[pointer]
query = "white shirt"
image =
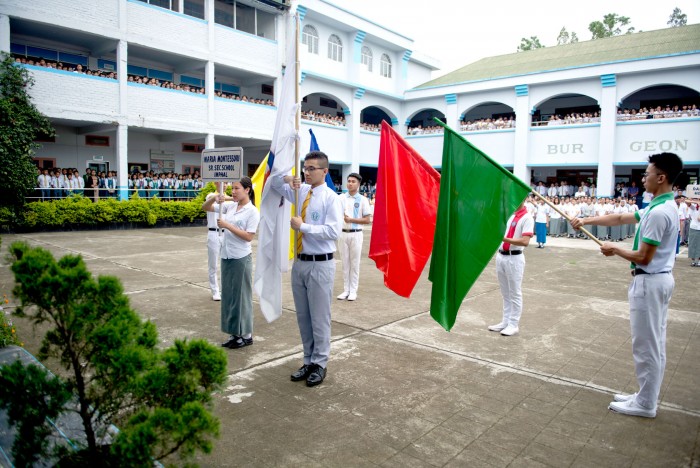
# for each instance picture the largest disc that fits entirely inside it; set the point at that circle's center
(523, 227)
(247, 218)
(44, 181)
(212, 216)
(542, 213)
(693, 214)
(659, 226)
(354, 206)
(324, 215)
(646, 197)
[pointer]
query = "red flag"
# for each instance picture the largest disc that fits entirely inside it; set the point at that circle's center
(405, 210)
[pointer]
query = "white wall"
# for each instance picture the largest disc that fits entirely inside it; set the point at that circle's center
(68, 95)
(634, 143)
(161, 108)
(562, 146)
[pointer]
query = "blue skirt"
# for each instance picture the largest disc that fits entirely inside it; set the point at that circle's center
(541, 232)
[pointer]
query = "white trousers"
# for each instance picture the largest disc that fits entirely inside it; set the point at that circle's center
(649, 296)
(214, 252)
(350, 252)
(510, 270)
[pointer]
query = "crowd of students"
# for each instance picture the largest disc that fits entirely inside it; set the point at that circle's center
(40, 62)
(487, 124)
(568, 119)
(328, 119)
(56, 183)
(420, 130)
(658, 112)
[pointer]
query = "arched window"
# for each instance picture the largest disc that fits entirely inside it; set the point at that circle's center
(335, 48)
(309, 37)
(385, 66)
(367, 57)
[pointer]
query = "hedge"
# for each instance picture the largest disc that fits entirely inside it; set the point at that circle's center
(77, 211)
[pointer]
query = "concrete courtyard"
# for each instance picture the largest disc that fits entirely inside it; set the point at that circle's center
(401, 391)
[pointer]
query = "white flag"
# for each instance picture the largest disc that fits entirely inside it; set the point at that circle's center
(273, 230)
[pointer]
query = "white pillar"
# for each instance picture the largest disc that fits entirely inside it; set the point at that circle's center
(122, 126)
(209, 141)
(452, 112)
(608, 123)
(209, 88)
(522, 132)
(4, 33)
(353, 122)
(122, 161)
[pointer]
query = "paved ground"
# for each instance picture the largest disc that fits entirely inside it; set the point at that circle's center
(403, 392)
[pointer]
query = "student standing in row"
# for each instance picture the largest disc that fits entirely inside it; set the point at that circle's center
(356, 213)
(510, 268)
(652, 259)
(239, 220)
(318, 228)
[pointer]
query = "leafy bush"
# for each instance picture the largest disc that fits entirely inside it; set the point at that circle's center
(160, 399)
(77, 211)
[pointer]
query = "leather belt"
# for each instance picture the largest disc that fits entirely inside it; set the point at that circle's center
(639, 271)
(315, 258)
(510, 252)
(352, 230)
(215, 229)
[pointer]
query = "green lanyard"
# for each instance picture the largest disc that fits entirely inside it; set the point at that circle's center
(661, 199)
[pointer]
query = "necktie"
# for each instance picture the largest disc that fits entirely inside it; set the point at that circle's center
(304, 206)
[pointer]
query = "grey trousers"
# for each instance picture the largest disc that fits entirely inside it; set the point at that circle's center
(649, 296)
(312, 287)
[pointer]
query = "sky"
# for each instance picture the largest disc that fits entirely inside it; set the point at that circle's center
(459, 32)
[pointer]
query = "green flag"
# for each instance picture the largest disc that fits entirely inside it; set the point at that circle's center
(477, 196)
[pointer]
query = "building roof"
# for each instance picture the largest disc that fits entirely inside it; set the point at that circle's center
(643, 45)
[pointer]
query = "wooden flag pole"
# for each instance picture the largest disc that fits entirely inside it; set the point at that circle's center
(220, 187)
(583, 230)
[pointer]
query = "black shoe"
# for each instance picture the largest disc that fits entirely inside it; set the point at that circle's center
(302, 373)
(316, 376)
(237, 342)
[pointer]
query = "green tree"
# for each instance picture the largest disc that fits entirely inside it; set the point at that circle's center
(160, 399)
(20, 123)
(565, 37)
(529, 44)
(677, 18)
(611, 25)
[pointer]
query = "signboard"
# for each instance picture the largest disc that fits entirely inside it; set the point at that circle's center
(222, 164)
(693, 191)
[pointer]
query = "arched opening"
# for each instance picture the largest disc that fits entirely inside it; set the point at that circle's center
(371, 118)
(323, 108)
(660, 102)
(488, 116)
(566, 109)
(422, 122)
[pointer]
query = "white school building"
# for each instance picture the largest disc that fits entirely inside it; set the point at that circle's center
(572, 112)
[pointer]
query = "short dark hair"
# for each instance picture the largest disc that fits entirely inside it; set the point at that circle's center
(318, 156)
(668, 163)
(356, 176)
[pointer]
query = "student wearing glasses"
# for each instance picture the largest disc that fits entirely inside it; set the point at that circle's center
(317, 227)
(652, 258)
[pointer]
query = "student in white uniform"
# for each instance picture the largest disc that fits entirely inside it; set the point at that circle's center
(356, 213)
(652, 259)
(541, 223)
(510, 267)
(318, 228)
(239, 220)
(214, 238)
